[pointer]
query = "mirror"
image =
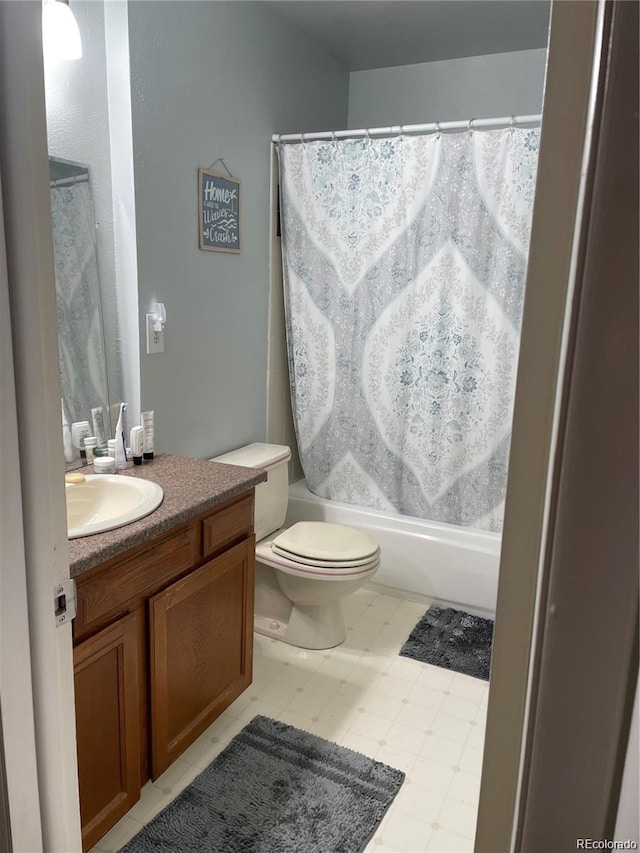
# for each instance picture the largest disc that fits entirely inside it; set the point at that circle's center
(93, 329)
(83, 368)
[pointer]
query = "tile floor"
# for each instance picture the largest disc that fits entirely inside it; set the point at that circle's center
(424, 720)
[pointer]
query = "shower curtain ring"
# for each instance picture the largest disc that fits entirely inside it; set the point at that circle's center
(438, 130)
(470, 128)
(512, 123)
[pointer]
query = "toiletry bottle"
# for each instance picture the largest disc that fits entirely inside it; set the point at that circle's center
(121, 447)
(137, 444)
(99, 429)
(146, 419)
(79, 431)
(90, 444)
(66, 436)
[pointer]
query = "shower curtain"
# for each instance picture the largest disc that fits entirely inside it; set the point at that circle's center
(80, 337)
(404, 270)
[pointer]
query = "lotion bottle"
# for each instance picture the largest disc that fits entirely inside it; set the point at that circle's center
(66, 436)
(137, 443)
(147, 425)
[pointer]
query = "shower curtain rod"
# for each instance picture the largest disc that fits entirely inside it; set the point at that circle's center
(400, 129)
(72, 179)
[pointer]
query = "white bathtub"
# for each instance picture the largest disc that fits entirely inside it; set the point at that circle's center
(456, 566)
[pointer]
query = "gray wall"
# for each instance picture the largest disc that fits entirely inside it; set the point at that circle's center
(78, 129)
(473, 87)
(213, 80)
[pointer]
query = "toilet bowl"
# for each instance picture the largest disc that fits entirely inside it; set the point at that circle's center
(304, 571)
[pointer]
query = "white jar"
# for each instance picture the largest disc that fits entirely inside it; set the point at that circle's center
(104, 465)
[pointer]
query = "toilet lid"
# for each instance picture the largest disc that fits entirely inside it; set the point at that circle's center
(298, 570)
(319, 540)
(267, 556)
(325, 564)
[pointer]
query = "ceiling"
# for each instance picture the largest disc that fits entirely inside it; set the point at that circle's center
(364, 34)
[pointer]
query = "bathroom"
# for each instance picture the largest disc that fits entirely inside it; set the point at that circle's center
(259, 74)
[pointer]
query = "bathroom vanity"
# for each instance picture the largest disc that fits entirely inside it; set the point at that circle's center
(163, 636)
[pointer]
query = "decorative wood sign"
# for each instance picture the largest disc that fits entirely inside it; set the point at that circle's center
(219, 212)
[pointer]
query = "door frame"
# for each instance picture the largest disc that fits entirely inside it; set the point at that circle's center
(20, 802)
(37, 486)
(585, 659)
(540, 707)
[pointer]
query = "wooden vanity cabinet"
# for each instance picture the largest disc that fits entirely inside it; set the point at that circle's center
(163, 643)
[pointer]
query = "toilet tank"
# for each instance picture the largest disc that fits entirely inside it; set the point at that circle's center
(271, 496)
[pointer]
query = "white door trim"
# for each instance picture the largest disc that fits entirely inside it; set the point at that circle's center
(16, 697)
(33, 321)
(573, 63)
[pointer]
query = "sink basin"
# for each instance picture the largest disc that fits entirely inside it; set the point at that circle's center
(106, 501)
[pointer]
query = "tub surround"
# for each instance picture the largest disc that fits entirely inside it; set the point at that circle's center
(191, 487)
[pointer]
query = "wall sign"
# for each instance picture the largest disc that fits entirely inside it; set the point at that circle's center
(219, 212)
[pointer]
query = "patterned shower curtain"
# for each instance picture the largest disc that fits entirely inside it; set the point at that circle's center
(81, 347)
(404, 270)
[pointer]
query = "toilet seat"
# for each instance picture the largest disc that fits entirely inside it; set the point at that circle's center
(328, 544)
(323, 564)
(292, 567)
(354, 566)
(335, 573)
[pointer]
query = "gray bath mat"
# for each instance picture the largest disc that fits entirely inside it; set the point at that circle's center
(275, 789)
(452, 639)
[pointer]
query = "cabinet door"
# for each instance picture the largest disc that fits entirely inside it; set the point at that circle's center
(201, 650)
(106, 680)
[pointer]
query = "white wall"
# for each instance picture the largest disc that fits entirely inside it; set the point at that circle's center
(472, 87)
(78, 129)
(214, 80)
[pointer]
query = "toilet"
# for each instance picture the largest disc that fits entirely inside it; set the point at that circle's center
(304, 571)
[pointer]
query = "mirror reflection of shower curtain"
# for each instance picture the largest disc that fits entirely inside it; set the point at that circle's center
(80, 336)
(404, 269)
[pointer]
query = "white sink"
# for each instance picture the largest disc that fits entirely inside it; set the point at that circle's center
(106, 501)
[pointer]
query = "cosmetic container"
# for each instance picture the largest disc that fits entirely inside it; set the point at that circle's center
(104, 465)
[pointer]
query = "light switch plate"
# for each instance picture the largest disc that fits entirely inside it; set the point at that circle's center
(155, 340)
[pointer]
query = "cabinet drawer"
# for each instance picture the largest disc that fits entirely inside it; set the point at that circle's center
(228, 525)
(129, 581)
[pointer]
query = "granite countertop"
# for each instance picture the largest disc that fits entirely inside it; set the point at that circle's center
(191, 486)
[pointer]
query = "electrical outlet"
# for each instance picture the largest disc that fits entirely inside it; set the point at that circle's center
(155, 340)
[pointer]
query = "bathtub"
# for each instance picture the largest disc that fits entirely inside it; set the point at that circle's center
(423, 560)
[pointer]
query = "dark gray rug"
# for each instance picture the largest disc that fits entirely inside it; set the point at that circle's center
(452, 639)
(276, 789)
